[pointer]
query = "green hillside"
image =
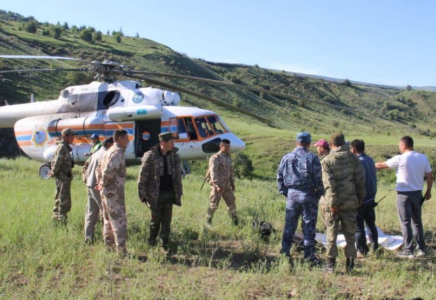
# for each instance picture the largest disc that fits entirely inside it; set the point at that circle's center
(385, 113)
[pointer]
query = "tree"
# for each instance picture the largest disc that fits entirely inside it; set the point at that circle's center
(86, 35)
(74, 29)
(65, 26)
(31, 26)
(408, 87)
(137, 35)
(347, 82)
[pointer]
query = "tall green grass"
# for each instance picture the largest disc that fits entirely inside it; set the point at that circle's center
(38, 260)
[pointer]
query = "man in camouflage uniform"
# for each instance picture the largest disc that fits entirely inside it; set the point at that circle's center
(61, 169)
(160, 186)
(221, 179)
(111, 176)
(299, 180)
(93, 208)
(344, 181)
(323, 149)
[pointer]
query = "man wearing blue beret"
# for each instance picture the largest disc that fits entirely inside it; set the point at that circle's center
(299, 179)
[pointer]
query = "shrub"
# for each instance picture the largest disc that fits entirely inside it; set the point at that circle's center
(243, 166)
(98, 36)
(347, 82)
(237, 103)
(118, 38)
(55, 32)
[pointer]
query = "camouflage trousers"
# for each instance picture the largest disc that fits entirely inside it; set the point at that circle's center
(114, 222)
(161, 216)
(309, 213)
(348, 227)
(214, 201)
(92, 212)
(62, 200)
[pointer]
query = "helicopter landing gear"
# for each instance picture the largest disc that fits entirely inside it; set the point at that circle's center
(44, 171)
(185, 168)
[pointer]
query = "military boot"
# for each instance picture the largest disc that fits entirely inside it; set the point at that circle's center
(330, 265)
(349, 265)
(235, 221)
(209, 217)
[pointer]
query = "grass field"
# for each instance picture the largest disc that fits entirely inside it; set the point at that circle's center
(40, 261)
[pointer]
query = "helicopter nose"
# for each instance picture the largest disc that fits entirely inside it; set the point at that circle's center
(236, 144)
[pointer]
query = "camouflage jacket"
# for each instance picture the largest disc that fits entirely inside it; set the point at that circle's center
(322, 199)
(111, 172)
(62, 163)
(152, 169)
(344, 179)
(220, 173)
(299, 176)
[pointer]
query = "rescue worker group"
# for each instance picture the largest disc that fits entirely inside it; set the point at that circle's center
(341, 181)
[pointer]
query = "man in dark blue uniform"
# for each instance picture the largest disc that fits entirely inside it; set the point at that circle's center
(299, 179)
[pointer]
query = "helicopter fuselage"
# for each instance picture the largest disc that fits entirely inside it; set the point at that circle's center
(101, 108)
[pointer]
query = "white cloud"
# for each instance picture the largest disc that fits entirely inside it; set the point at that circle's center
(297, 68)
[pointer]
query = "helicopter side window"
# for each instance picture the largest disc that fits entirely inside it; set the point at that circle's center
(190, 128)
(203, 128)
(111, 98)
(183, 133)
(215, 124)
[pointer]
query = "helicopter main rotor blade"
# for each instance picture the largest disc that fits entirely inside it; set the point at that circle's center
(44, 70)
(211, 99)
(41, 57)
(244, 87)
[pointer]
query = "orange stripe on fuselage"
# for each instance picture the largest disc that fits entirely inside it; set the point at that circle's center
(25, 143)
(24, 132)
(118, 126)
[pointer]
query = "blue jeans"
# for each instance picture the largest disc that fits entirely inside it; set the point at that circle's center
(309, 213)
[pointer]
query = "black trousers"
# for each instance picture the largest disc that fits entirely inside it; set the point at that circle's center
(366, 214)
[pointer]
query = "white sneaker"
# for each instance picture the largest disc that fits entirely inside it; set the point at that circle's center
(419, 253)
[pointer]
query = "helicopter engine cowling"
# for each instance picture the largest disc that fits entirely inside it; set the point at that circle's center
(137, 112)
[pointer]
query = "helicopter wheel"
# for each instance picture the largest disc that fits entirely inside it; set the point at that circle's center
(44, 171)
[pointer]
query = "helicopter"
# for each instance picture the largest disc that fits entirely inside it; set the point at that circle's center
(108, 104)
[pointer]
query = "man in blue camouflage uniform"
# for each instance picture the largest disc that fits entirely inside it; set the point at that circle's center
(299, 180)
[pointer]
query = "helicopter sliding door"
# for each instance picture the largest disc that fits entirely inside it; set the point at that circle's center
(146, 135)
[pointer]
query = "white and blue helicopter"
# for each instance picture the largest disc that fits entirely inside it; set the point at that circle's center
(108, 104)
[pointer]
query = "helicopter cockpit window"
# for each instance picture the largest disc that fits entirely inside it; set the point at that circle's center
(215, 124)
(111, 98)
(203, 128)
(190, 128)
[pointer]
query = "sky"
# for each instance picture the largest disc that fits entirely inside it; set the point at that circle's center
(390, 42)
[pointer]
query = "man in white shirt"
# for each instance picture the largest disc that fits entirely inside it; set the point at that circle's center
(411, 167)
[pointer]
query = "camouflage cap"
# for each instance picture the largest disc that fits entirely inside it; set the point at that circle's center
(165, 137)
(68, 131)
(304, 137)
(337, 138)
